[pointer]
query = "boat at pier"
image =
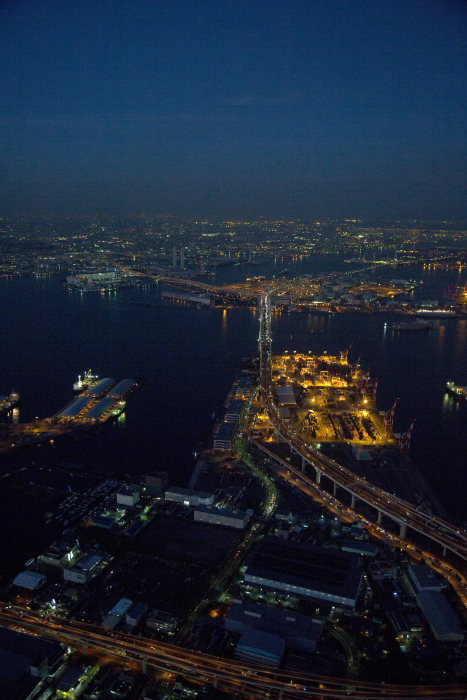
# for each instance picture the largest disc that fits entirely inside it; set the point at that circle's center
(85, 381)
(457, 392)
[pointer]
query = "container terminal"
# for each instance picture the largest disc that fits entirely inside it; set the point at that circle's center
(330, 403)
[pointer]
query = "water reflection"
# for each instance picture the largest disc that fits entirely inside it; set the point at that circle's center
(461, 333)
(316, 324)
(441, 338)
(450, 405)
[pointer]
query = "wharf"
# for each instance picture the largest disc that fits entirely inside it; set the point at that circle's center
(98, 404)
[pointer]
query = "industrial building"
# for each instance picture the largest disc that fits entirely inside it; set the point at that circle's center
(365, 549)
(86, 568)
(440, 616)
(60, 554)
(100, 409)
(299, 632)
(101, 388)
(286, 396)
(110, 622)
(134, 616)
(233, 411)
(261, 648)
(422, 578)
(304, 571)
(74, 408)
(162, 621)
(122, 607)
(128, 495)
(116, 614)
(30, 580)
(222, 516)
(122, 388)
(189, 497)
(243, 388)
(224, 437)
(23, 659)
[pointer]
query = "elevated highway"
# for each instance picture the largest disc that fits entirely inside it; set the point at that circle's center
(404, 514)
(247, 680)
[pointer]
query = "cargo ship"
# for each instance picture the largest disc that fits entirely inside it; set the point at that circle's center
(85, 381)
(416, 325)
(457, 392)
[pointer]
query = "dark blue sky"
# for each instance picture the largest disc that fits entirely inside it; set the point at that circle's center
(235, 108)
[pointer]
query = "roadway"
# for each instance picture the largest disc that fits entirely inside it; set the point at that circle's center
(448, 536)
(245, 679)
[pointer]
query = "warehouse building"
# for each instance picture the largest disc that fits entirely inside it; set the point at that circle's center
(224, 437)
(24, 659)
(189, 497)
(440, 616)
(233, 411)
(128, 495)
(134, 616)
(243, 388)
(222, 516)
(122, 607)
(285, 395)
(86, 568)
(365, 549)
(304, 571)
(121, 389)
(162, 621)
(60, 554)
(101, 388)
(100, 409)
(299, 632)
(422, 578)
(30, 580)
(261, 648)
(74, 408)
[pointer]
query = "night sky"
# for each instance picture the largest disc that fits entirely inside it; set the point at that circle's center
(240, 108)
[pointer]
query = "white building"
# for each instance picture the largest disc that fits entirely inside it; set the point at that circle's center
(221, 516)
(30, 580)
(87, 568)
(128, 495)
(189, 497)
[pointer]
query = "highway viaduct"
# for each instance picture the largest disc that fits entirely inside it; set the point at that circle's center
(247, 680)
(404, 514)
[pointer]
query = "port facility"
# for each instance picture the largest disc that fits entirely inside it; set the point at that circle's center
(98, 403)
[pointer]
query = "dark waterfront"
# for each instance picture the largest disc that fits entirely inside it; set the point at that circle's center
(188, 359)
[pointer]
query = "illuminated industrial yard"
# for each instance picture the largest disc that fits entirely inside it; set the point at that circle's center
(325, 399)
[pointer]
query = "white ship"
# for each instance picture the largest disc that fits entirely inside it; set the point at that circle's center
(85, 381)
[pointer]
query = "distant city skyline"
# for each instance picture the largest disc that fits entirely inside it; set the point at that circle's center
(288, 110)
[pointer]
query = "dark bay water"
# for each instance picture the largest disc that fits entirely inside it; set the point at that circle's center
(188, 360)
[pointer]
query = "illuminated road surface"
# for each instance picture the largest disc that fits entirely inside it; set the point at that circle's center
(245, 679)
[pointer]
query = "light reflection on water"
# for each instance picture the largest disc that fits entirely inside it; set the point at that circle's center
(450, 405)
